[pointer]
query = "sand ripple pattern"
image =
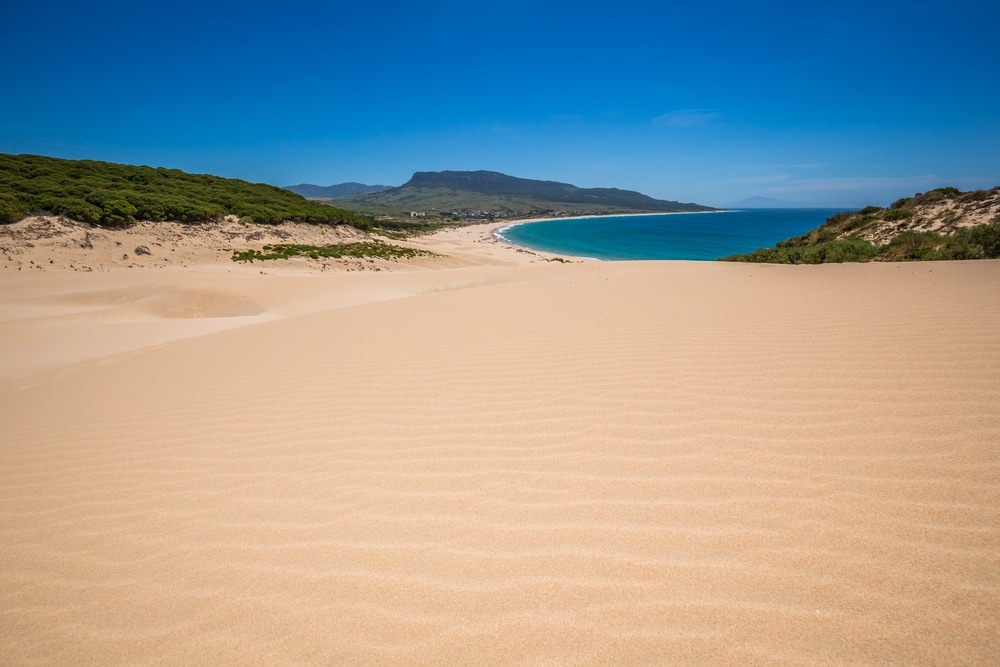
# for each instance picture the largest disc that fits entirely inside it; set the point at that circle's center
(594, 464)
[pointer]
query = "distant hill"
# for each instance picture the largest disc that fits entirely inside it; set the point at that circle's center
(117, 194)
(507, 195)
(941, 224)
(310, 191)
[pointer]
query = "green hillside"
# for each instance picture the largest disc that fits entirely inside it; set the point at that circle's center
(116, 194)
(941, 224)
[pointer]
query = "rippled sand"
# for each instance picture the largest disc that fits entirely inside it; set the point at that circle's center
(596, 463)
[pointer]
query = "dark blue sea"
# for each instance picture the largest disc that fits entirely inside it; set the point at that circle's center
(699, 236)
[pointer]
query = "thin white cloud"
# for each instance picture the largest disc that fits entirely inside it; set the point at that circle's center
(686, 118)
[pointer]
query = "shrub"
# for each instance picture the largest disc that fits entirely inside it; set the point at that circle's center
(895, 214)
(75, 208)
(358, 250)
(848, 250)
(986, 237)
(115, 207)
(910, 245)
(11, 209)
(860, 220)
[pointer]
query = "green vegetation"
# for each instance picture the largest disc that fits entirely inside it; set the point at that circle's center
(376, 249)
(894, 214)
(982, 242)
(114, 194)
(404, 228)
(853, 250)
(903, 232)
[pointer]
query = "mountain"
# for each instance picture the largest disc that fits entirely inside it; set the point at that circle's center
(945, 223)
(508, 195)
(310, 191)
(495, 183)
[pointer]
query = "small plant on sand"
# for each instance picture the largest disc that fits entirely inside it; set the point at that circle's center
(374, 249)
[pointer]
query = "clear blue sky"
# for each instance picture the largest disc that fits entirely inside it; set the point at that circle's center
(825, 102)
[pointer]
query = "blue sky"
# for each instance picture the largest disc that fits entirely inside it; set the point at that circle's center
(839, 103)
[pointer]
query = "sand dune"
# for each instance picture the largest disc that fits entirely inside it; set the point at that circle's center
(515, 462)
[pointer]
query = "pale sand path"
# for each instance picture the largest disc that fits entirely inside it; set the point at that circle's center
(592, 463)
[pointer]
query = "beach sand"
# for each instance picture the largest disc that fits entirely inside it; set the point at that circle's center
(493, 458)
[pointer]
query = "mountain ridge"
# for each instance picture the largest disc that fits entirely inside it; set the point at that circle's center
(310, 191)
(482, 189)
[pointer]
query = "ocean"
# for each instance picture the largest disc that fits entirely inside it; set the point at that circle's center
(693, 236)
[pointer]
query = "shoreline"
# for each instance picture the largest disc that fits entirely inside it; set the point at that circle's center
(669, 236)
(498, 232)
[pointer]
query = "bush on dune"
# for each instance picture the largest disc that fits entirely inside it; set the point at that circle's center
(838, 239)
(851, 250)
(117, 194)
(986, 237)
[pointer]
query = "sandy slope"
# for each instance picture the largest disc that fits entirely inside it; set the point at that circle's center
(48, 243)
(508, 461)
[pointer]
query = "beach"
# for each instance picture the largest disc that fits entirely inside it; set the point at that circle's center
(484, 456)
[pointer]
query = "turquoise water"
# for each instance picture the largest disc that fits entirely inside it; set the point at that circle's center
(700, 236)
